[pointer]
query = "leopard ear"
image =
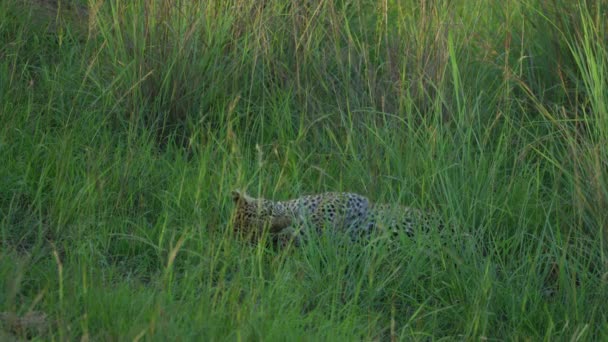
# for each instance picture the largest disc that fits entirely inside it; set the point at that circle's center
(236, 195)
(239, 195)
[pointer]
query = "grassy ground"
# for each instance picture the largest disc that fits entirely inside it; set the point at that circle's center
(126, 124)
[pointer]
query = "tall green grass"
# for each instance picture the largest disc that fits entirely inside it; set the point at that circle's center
(125, 124)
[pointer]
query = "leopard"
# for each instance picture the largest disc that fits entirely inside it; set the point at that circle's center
(347, 212)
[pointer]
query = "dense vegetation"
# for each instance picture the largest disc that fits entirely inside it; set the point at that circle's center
(125, 124)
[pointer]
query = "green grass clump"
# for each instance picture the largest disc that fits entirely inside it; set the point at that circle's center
(126, 124)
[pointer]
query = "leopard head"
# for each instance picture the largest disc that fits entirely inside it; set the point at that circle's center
(253, 215)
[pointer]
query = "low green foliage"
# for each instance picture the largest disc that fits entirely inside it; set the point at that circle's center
(126, 124)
